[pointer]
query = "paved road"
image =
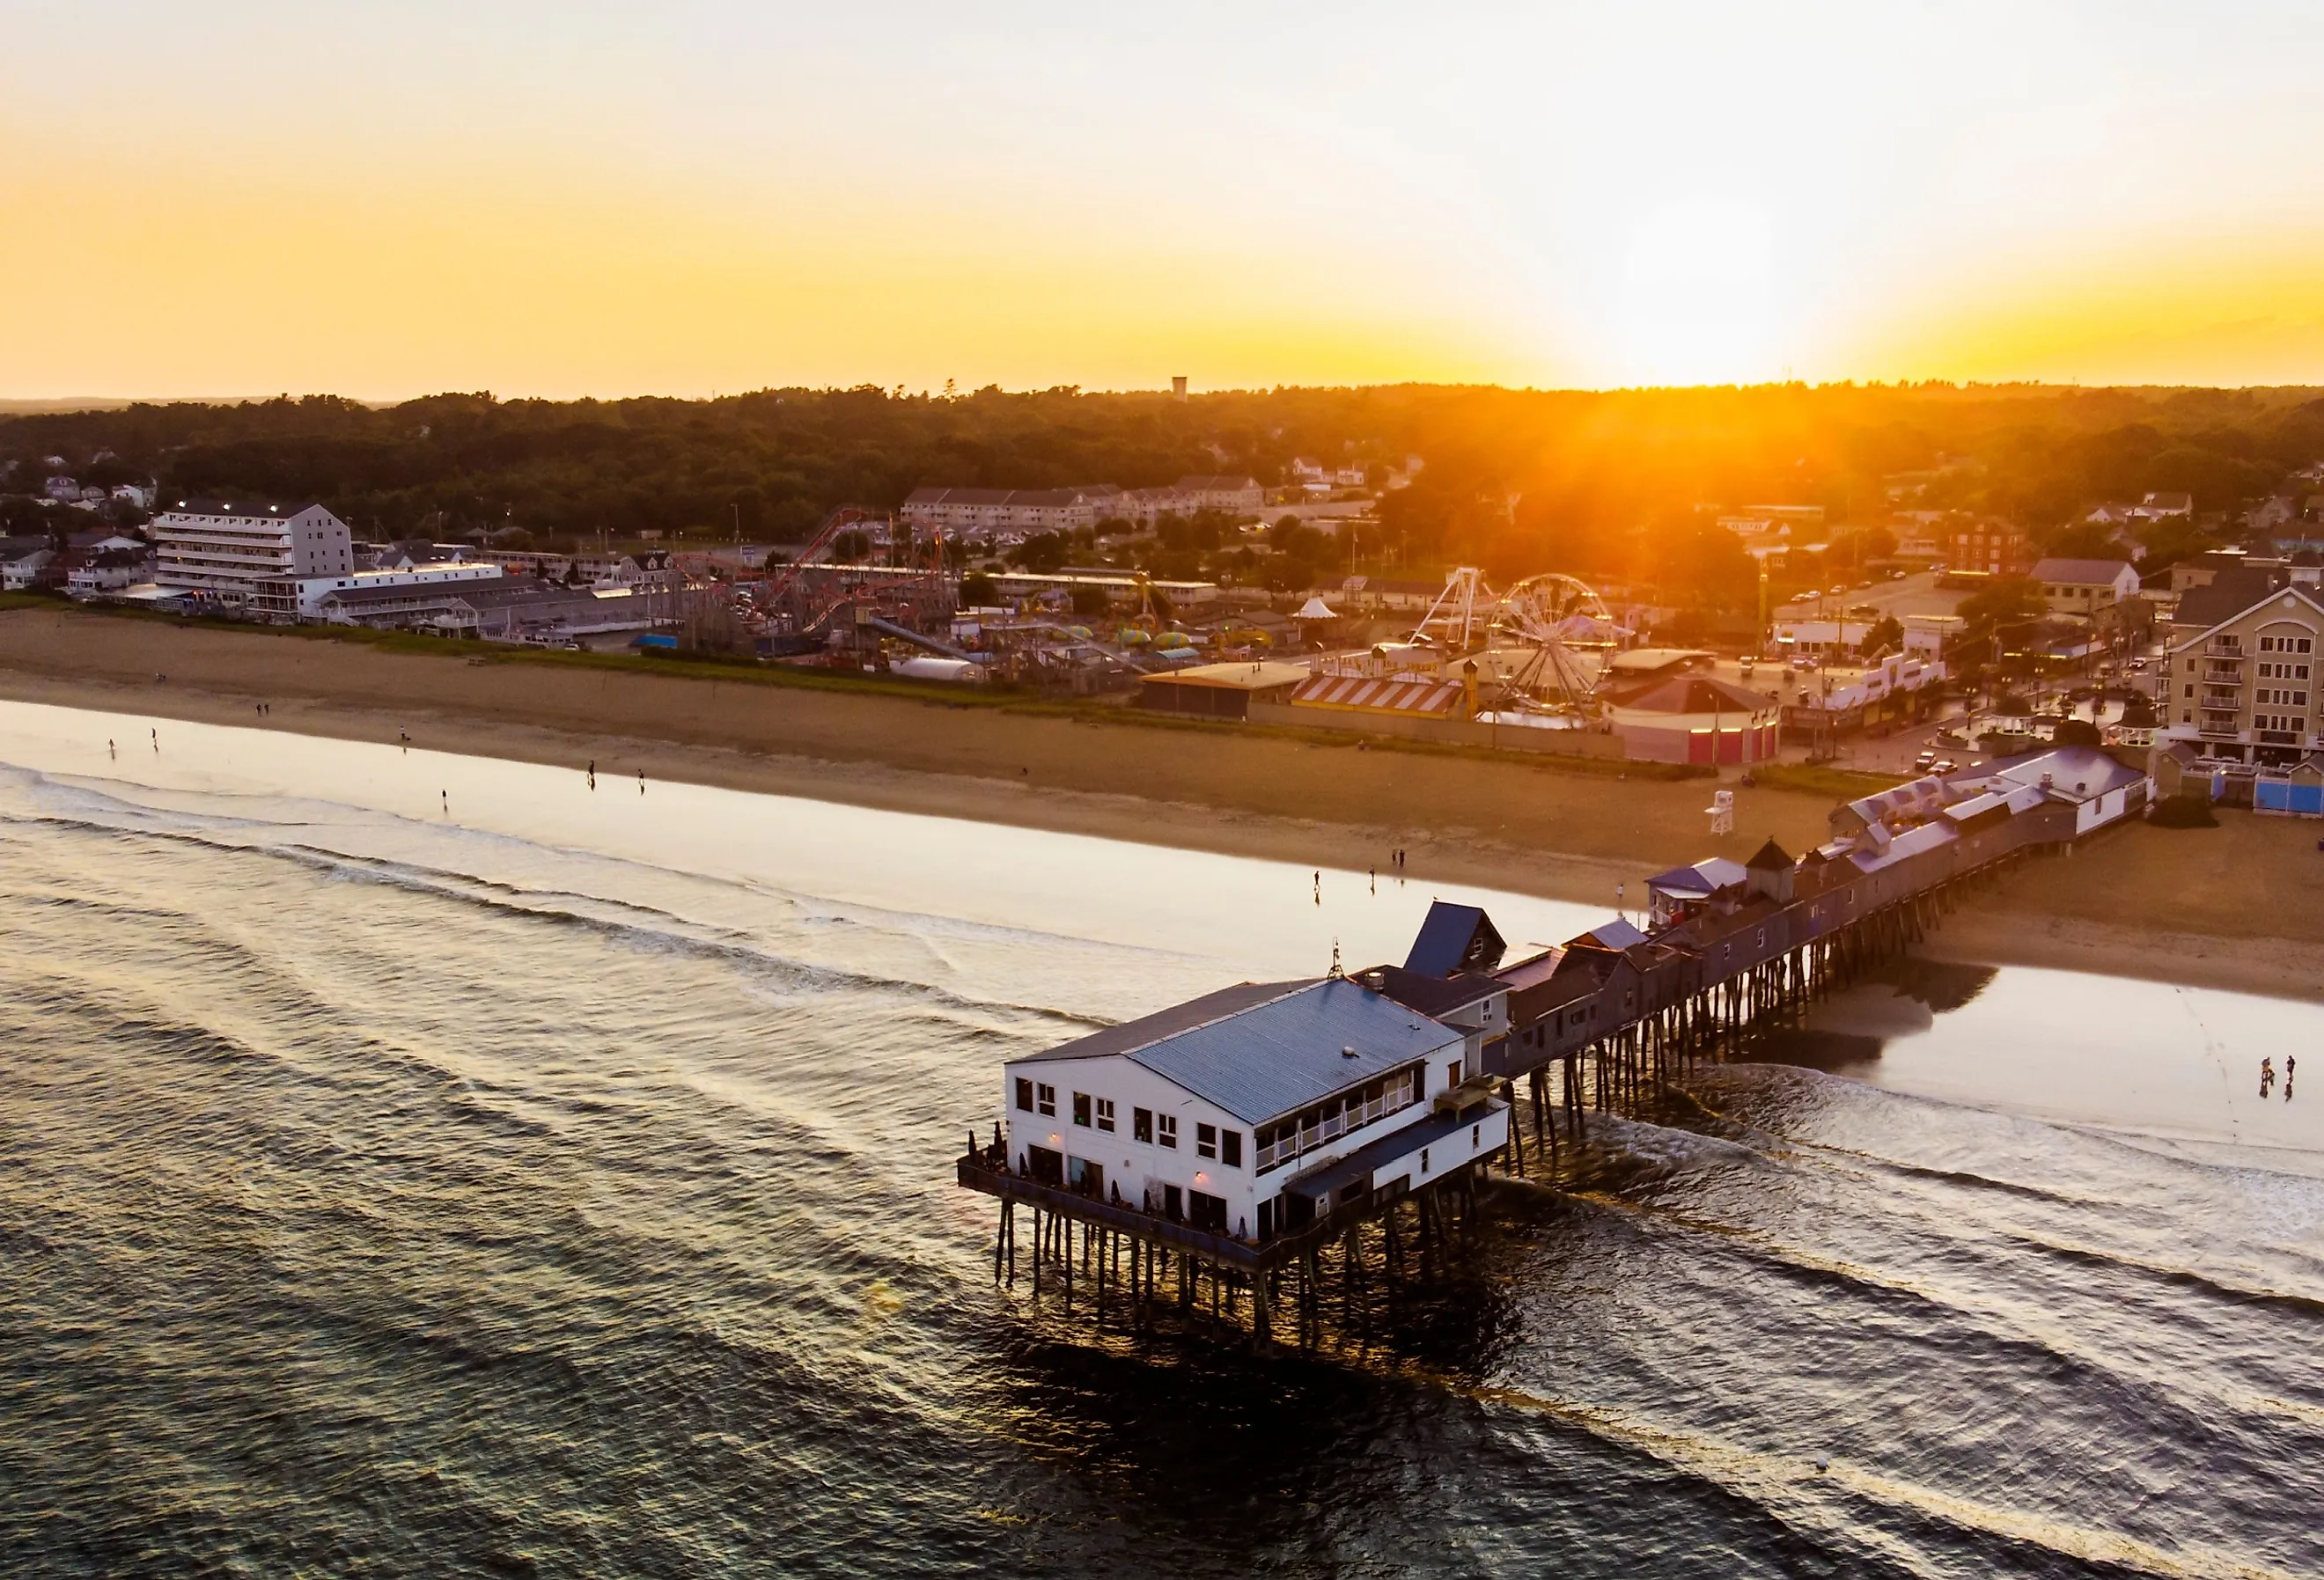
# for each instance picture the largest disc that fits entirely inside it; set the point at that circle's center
(1917, 594)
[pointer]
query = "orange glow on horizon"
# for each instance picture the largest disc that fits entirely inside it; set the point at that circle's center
(561, 201)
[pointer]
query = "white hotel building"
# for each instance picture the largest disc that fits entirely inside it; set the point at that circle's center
(225, 548)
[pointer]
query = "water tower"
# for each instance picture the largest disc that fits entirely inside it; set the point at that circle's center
(1178, 386)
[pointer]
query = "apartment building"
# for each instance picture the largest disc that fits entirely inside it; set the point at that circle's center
(2243, 690)
(961, 511)
(1996, 548)
(1236, 495)
(225, 548)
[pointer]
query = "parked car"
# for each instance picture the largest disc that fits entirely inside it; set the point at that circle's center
(1943, 765)
(1926, 760)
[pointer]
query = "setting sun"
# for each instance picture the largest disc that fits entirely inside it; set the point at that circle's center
(559, 199)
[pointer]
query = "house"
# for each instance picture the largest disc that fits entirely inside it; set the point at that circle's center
(1256, 1109)
(2084, 586)
(25, 568)
(2164, 506)
(2242, 689)
(110, 571)
(223, 549)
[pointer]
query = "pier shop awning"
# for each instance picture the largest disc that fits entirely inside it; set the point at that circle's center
(1422, 697)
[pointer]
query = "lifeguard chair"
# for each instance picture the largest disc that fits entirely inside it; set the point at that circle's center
(1723, 812)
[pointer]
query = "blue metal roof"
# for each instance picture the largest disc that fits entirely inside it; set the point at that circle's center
(1443, 946)
(1277, 1056)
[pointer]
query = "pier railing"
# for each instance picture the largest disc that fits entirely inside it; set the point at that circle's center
(1247, 1255)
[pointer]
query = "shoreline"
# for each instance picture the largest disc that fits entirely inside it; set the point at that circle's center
(2238, 901)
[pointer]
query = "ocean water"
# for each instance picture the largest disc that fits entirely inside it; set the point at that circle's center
(414, 1164)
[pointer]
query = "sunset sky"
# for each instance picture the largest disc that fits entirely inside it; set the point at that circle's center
(688, 198)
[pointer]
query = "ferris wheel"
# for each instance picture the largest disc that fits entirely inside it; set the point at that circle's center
(1554, 613)
(1554, 607)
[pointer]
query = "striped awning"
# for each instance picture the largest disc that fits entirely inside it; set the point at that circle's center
(1413, 697)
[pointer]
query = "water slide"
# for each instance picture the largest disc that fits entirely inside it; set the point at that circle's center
(904, 633)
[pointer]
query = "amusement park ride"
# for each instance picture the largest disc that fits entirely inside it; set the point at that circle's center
(1549, 635)
(805, 603)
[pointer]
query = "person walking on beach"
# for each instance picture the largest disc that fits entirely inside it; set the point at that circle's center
(2266, 1075)
(642, 781)
(157, 739)
(2290, 1064)
(112, 751)
(593, 773)
(448, 803)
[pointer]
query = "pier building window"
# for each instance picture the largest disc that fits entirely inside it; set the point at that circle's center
(1166, 1131)
(1105, 1114)
(1024, 1095)
(1452, 1075)
(1206, 1141)
(1082, 1109)
(1231, 1148)
(1142, 1125)
(1046, 1099)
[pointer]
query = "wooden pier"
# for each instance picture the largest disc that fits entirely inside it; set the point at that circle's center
(1606, 1024)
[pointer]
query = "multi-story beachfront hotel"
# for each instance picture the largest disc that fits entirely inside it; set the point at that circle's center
(226, 548)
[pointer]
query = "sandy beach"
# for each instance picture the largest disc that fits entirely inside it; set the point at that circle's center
(2232, 907)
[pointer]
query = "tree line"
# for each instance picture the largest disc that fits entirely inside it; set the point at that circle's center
(1614, 484)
